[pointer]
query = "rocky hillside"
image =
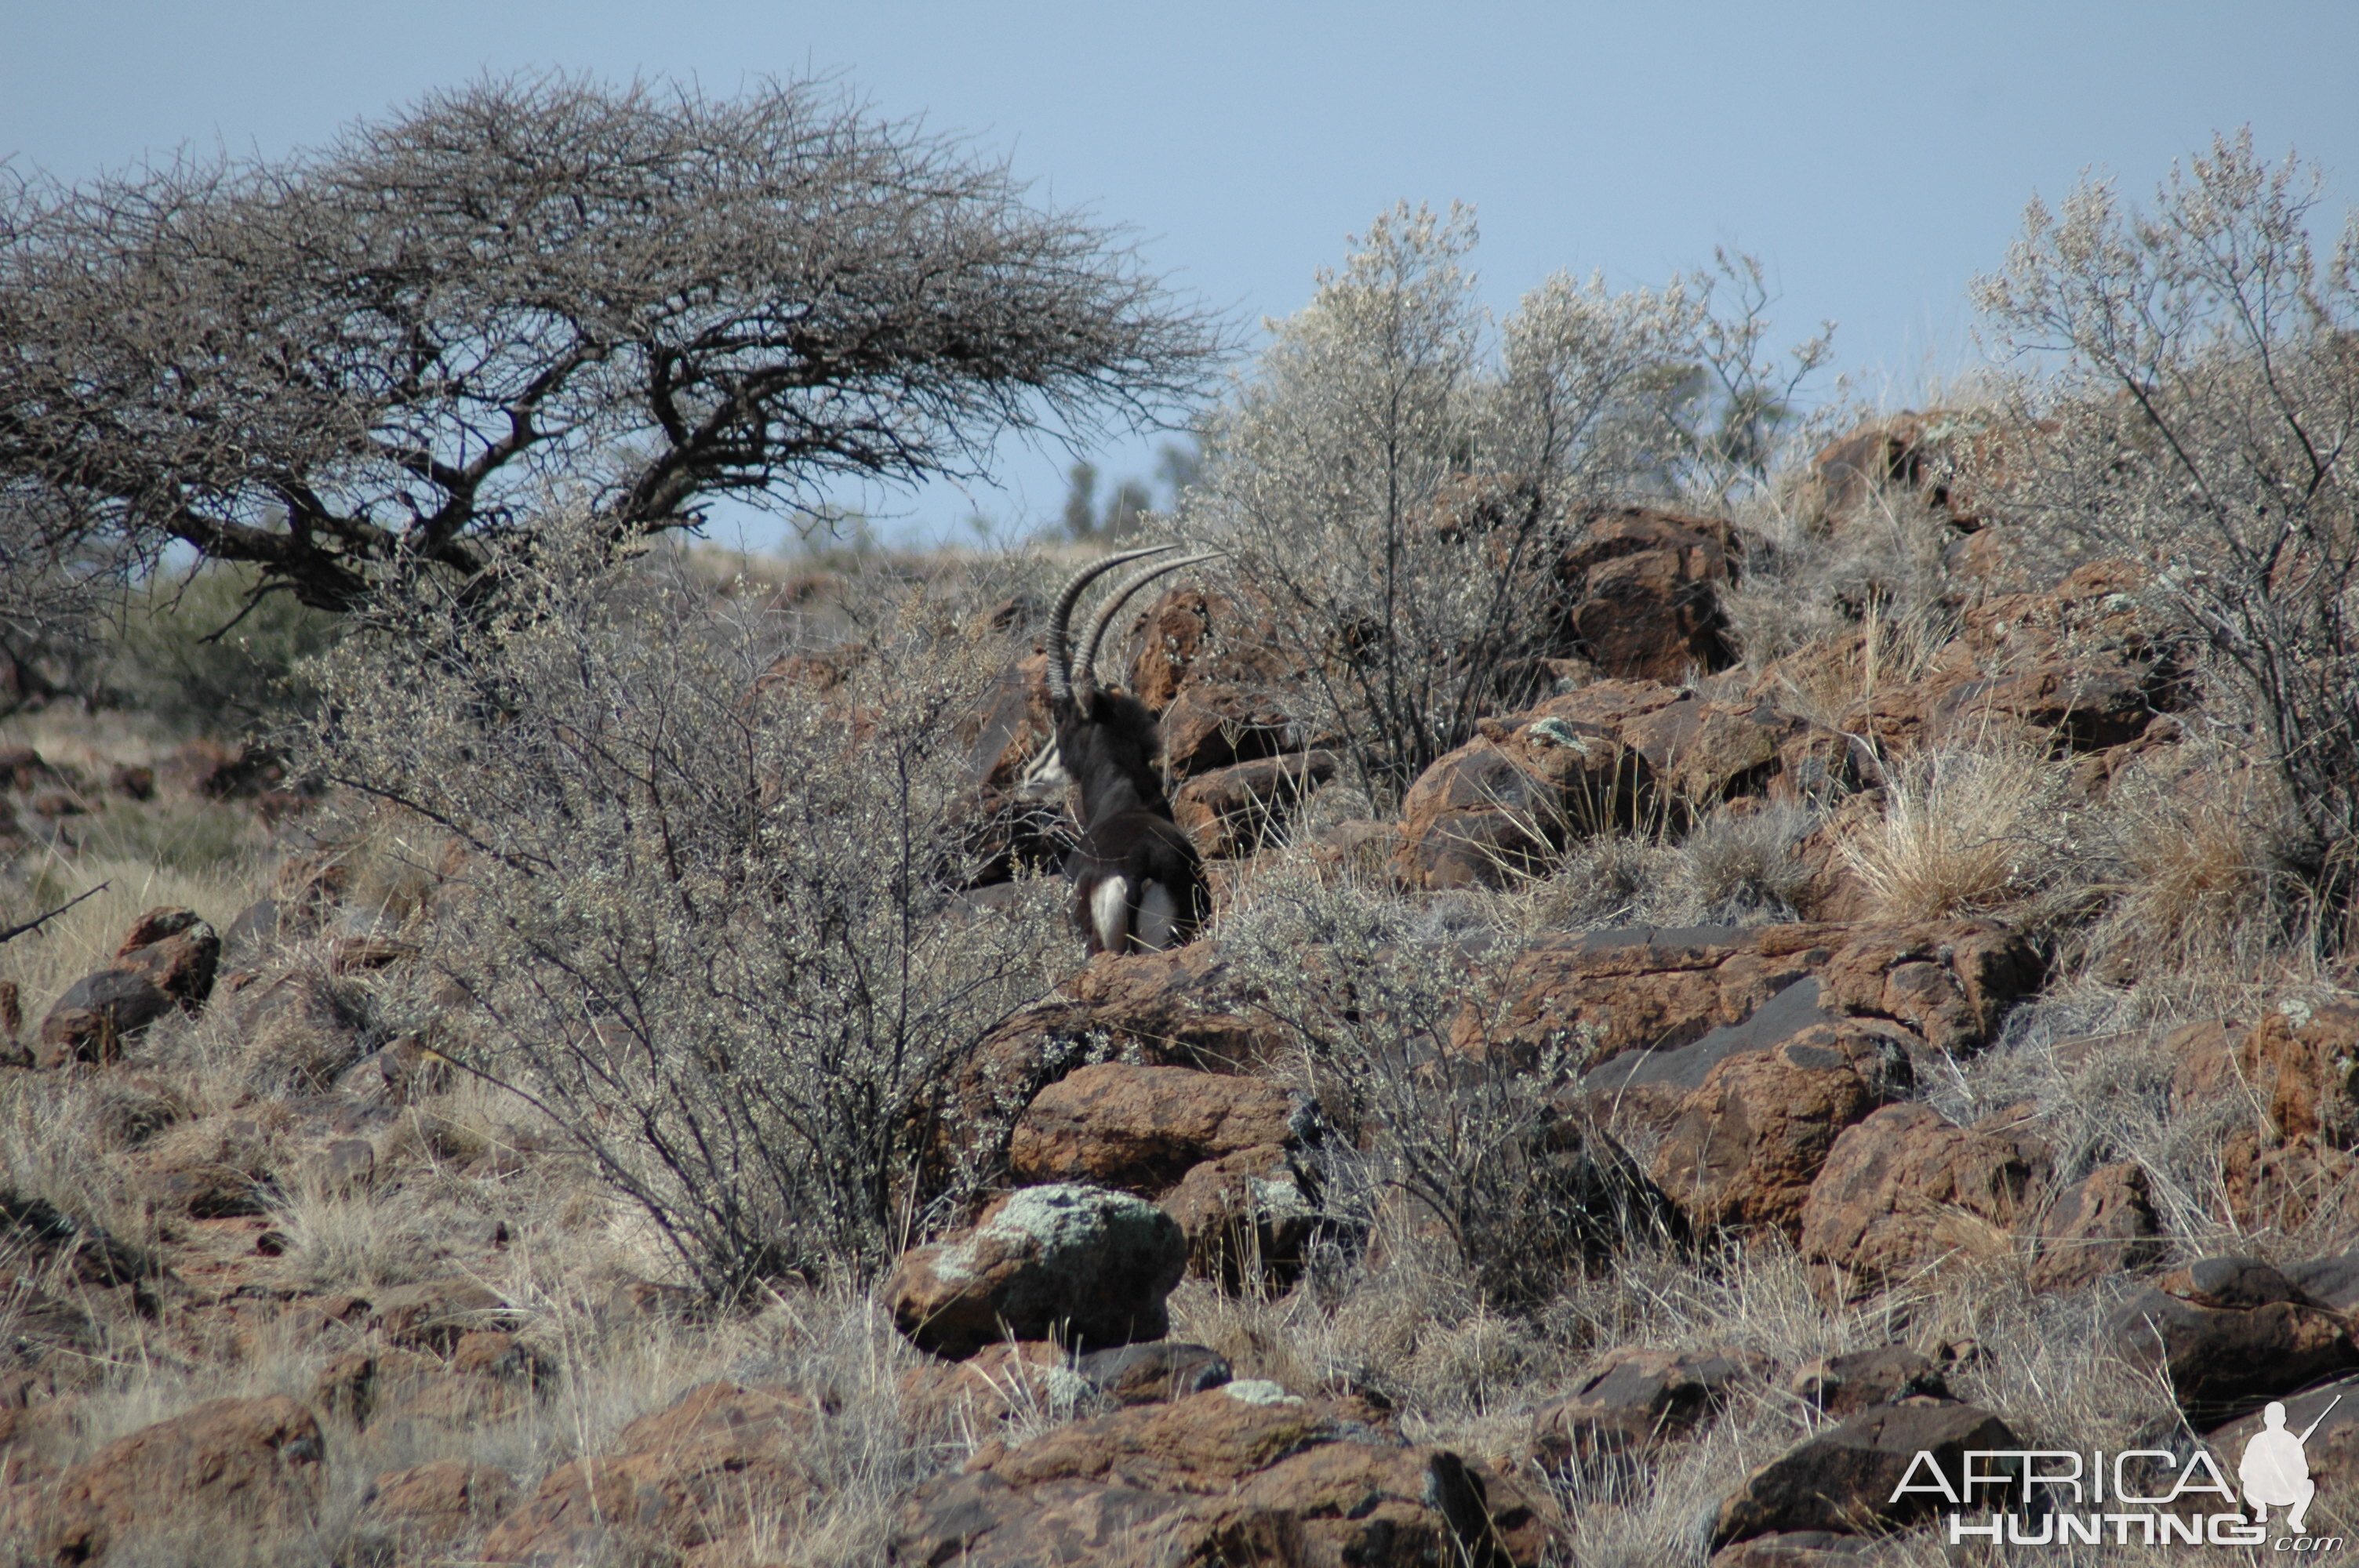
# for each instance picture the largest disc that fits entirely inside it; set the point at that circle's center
(1817, 1030)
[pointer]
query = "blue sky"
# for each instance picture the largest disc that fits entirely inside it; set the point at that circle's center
(1875, 156)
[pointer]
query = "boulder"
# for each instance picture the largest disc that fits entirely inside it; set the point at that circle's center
(2101, 1225)
(1501, 805)
(1153, 1373)
(1640, 584)
(1745, 1147)
(2230, 1334)
(1632, 1399)
(1211, 725)
(1856, 1380)
(1245, 1473)
(227, 1475)
(1928, 453)
(1949, 981)
(2332, 1449)
(703, 1471)
(436, 1315)
(1907, 1190)
(2289, 1084)
(1181, 1007)
(1140, 1128)
(1842, 1478)
(1079, 1264)
(1192, 637)
(425, 1511)
(167, 962)
(1648, 1088)
(1804, 1549)
(1248, 1217)
(1239, 809)
(1652, 988)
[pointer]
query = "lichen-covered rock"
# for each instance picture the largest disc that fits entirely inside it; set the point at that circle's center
(1248, 1217)
(1079, 1264)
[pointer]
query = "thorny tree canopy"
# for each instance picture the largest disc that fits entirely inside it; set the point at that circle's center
(379, 356)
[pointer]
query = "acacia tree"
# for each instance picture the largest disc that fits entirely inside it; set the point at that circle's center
(378, 357)
(2192, 400)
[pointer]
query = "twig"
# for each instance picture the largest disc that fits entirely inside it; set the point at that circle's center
(13, 932)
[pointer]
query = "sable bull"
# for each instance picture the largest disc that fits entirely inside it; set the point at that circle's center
(1138, 884)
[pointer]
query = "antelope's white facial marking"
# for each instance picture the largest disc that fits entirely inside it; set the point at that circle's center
(1044, 776)
(1158, 917)
(1110, 913)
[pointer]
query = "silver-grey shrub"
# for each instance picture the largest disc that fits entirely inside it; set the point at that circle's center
(1399, 476)
(701, 920)
(2190, 399)
(1437, 1133)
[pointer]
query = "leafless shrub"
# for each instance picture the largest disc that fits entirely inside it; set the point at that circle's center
(704, 926)
(2200, 418)
(1435, 1133)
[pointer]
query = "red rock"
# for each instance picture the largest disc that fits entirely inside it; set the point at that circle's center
(1244, 1473)
(1120, 1124)
(1907, 1191)
(1930, 453)
(173, 968)
(2288, 1160)
(1213, 724)
(2101, 1225)
(1745, 1146)
(1634, 1399)
(1247, 1217)
(1239, 809)
(1641, 585)
(1648, 989)
(1191, 637)
(1856, 1380)
(1845, 1478)
(227, 1472)
(428, 1509)
(701, 1471)
(2230, 1334)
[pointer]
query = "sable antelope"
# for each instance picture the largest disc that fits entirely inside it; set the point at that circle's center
(1137, 882)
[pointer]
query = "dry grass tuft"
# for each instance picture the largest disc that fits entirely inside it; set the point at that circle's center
(1972, 831)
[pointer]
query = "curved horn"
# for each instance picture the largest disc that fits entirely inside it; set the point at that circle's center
(1061, 640)
(1085, 665)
